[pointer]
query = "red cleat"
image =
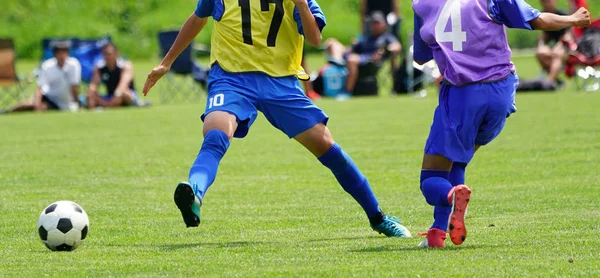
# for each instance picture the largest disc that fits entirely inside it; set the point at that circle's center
(434, 238)
(459, 198)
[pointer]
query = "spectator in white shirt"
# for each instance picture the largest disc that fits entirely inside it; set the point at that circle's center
(58, 83)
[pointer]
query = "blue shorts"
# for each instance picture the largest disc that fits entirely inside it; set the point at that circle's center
(280, 99)
(470, 115)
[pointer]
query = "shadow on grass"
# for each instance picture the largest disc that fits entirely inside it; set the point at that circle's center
(168, 247)
(343, 238)
(417, 248)
(233, 244)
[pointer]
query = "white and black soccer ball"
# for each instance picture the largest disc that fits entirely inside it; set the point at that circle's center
(63, 226)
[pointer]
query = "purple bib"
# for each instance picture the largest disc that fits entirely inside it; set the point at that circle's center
(467, 45)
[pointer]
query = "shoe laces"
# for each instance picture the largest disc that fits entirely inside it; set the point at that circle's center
(392, 222)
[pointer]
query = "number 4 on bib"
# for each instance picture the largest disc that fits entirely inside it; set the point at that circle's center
(451, 12)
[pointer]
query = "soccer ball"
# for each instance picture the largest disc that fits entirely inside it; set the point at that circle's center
(63, 226)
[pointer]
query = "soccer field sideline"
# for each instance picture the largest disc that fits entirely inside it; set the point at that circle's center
(275, 212)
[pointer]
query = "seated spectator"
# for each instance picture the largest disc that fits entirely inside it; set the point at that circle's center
(57, 84)
(553, 47)
(372, 50)
(116, 74)
(389, 8)
(331, 78)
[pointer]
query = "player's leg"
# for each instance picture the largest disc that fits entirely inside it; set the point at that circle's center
(456, 177)
(122, 99)
(320, 143)
(558, 58)
(290, 111)
(92, 99)
(447, 143)
(352, 63)
(218, 130)
(229, 113)
(23, 106)
(543, 54)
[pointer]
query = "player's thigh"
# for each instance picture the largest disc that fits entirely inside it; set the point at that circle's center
(317, 139)
(436, 162)
(501, 106)
(220, 120)
(287, 108)
(559, 51)
(456, 119)
(543, 51)
(234, 112)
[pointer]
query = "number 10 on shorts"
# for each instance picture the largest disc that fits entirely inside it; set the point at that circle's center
(216, 101)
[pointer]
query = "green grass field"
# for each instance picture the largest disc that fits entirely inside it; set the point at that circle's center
(274, 211)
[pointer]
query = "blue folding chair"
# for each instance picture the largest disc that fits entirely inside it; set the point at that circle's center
(186, 79)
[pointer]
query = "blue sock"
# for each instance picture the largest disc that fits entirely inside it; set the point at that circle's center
(441, 214)
(352, 180)
(457, 174)
(203, 172)
(435, 187)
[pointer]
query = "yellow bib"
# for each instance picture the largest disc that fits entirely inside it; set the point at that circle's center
(258, 35)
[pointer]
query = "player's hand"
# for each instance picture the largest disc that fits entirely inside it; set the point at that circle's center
(378, 55)
(394, 48)
(153, 77)
(582, 18)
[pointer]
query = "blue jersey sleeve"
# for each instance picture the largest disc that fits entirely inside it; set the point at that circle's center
(422, 52)
(513, 13)
(317, 13)
(205, 8)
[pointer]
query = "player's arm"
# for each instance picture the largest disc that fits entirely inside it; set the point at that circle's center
(74, 80)
(396, 10)
(310, 28)
(126, 78)
(554, 22)
(190, 29)
(93, 89)
(75, 93)
(422, 52)
(519, 14)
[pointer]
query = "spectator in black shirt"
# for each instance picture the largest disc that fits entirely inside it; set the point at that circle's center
(379, 46)
(117, 76)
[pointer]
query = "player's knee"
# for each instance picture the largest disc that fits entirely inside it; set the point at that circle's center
(324, 139)
(558, 53)
(317, 139)
(542, 53)
(216, 142)
(220, 120)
